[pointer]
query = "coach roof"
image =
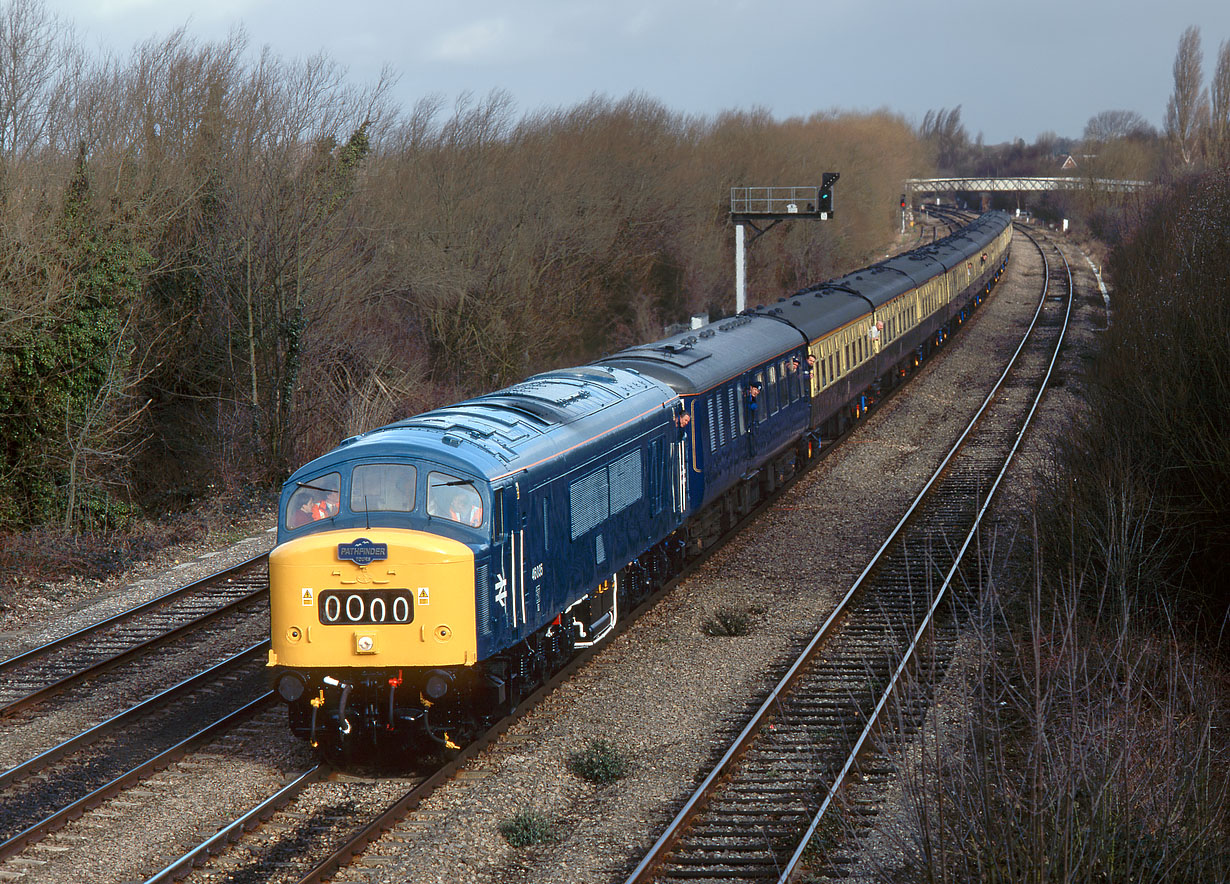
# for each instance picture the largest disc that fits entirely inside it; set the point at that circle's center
(700, 359)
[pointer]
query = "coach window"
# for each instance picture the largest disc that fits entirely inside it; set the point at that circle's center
(382, 487)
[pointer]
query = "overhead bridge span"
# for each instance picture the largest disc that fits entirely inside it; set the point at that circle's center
(1020, 185)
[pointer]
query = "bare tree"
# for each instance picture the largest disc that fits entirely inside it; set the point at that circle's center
(1184, 109)
(36, 54)
(1112, 124)
(948, 137)
(1219, 123)
(103, 430)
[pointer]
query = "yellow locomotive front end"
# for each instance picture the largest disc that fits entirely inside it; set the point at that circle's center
(370, 630)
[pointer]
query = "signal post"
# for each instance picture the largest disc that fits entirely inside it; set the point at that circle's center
(749, 205)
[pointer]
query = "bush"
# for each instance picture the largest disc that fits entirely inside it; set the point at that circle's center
(601, 762)
(1144, 482)
(729, 621)
(527, 828)
(1091, 753)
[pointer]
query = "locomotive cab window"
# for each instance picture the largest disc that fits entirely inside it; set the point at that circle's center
(382, 487)
(449, 497)
(314, 499)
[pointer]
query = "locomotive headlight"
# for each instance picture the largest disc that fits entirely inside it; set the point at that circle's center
(291, 687)
(438, 683)
(364, 643)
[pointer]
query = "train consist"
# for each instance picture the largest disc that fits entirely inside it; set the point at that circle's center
(430, 573)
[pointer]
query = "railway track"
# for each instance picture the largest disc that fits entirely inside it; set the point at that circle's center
(31, 677)
(41, 794)
(84, 768)
(758, 809)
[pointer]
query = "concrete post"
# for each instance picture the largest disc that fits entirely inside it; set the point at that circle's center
(740, 271)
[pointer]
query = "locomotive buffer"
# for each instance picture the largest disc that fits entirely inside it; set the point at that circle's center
(749, 205)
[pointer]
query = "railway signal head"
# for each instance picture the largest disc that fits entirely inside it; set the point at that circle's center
(826, 192)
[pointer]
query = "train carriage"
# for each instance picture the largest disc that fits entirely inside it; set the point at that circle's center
(712, 370)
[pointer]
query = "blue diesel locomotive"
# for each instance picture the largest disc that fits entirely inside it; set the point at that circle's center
(430, 573)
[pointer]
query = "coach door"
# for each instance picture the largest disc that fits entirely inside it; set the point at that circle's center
(677, 468)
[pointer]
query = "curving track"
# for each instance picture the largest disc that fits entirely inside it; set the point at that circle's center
(758, 809)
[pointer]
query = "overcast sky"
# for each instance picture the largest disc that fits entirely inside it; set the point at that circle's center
(1017, 69)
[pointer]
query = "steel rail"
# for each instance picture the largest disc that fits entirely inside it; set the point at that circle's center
(788, 870)
(123, 656)
(126, 614)
(233, 831)
(40, 761)
(132, 777)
